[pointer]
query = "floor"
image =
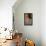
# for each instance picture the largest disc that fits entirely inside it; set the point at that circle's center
(9, 43)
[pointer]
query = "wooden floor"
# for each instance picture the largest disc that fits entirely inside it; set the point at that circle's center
(9, 43)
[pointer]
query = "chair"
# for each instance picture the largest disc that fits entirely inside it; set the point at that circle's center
(29, 43)
(18, 39)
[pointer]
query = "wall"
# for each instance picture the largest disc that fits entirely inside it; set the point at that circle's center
(30, 32)
(6, 13)
(43, 22)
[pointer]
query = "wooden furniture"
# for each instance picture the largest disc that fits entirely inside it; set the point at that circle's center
(18, 39)
(29, 43)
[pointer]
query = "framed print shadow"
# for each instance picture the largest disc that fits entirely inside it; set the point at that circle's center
(28, 19)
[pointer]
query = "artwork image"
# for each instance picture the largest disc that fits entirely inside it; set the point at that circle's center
(28, 19)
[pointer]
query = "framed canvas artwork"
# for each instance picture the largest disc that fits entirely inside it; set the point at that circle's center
(28, 18)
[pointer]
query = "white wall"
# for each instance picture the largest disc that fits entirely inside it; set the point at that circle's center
(43, 22)
(31, 32)
(6, 13)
